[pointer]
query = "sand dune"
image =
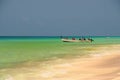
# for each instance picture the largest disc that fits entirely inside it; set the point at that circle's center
(105, 66)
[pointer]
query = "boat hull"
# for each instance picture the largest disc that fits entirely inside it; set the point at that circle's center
(68, 40)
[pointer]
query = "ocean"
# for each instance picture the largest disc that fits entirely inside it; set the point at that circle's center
(15, 50)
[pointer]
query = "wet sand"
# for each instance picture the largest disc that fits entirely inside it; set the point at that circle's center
(105, 65)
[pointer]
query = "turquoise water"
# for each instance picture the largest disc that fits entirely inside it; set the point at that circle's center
(16, 50)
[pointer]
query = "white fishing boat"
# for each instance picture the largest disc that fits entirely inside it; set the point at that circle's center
(71, 40)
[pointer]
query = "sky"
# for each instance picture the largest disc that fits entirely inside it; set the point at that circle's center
(59, 17)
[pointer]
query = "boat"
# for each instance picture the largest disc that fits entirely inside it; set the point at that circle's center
(71, 40)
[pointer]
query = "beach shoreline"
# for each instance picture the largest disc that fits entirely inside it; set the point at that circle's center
(103, 64)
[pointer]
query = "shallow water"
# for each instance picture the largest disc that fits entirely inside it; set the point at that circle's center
(68, 68)
(17, 54)
(15, 50)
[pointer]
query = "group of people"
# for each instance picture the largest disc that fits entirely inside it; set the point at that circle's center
(88, 39)
(84, 39)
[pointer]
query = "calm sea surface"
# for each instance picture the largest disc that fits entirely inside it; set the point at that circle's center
(16, 50)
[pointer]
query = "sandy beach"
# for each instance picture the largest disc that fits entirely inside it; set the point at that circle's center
(105, 65)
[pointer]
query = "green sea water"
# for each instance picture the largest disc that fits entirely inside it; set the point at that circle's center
(15, 50)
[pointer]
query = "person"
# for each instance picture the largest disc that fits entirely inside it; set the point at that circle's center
(73, 38)
(90, 39)
(83, 39)
(79, 38)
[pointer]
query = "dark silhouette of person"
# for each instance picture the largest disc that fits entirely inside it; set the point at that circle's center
(73, 38)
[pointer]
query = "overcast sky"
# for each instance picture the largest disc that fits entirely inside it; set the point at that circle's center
(59, 17)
